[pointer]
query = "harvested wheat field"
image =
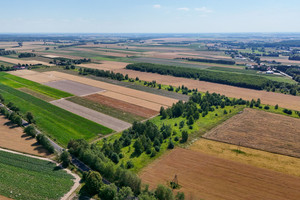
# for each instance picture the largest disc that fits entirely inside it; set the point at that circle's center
(156, 99)
(35, 76)
(16, 61)
(133, 100)
(263, 159)
(207, 177)
(122, 105)
(100, 118)
(105, 65)
(12, 137)
(260, 130)
(285, 101)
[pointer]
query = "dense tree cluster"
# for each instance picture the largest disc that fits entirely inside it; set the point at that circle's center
(5, 68)
(294, 57)
(240, 80)
(226, 62)
(66, 61)
(93, 156)
(26, 55)
(293, 71)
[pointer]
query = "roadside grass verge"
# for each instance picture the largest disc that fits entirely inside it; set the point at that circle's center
(57, 123)
(18, 82)
(29, 178)
(113, 112)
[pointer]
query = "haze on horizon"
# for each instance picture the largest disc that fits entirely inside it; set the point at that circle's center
(148, 16)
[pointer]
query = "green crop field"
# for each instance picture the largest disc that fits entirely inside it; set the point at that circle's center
(57, 123)
(18, 82)
(29, 178)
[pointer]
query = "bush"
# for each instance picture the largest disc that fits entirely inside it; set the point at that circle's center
(163, 193)
(157, 148)
(65, 158)
(129, 164)
(30, 117)
(266, 107)
(276, 106)
(171, 144)
(184, 136)
(108, 192)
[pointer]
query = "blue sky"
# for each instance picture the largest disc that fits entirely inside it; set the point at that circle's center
(149, 16)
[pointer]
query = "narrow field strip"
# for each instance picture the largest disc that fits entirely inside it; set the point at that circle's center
(122, 105)
(72, 87)
(133, 100)
(92, 115)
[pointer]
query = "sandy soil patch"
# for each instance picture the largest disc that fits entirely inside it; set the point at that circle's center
(260, 130)
(72, 87)
(157, 99)
(122, 105)
(204, 176)
(50, 56)
(258, 158)
(105, 65)
(35, 76)
(92, 115)
(16, 61)
(285, 101)
(4, 198)
(12, 137)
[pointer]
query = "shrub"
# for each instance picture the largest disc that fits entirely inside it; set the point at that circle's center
(65, 158)
(129, 164)
(108, 192)
(266, 107)
(171, 144)
(184, 136)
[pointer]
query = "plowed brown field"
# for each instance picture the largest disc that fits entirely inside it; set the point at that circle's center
(285, 101)
(122, 105)
(105, 65)
(13, 138)
(207, 177)
(260, 130)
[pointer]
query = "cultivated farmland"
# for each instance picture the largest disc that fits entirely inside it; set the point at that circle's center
(72, 87)
(122, 105)
(59, 124)
(286, 101)
(260, 130)
(29, 178)
(92, 115)
(12, 137)
(207, 177)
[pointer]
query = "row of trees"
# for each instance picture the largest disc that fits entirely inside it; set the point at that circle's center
(94, 185)
(4, 52)
(226, 62)
(293, 71)
(66, 61)
(240, 80)
(294, 57)
(26, 55)
(103, 73)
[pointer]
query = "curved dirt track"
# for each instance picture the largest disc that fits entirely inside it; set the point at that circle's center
(207, 177)
(286, 101)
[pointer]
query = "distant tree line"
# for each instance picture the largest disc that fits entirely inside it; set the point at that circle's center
(227, 62)
(240, 80)
(7, 52)
(103, 73)
(26, 55)
(294, 57)
(293, 71)
(66, 61)
(71, 45)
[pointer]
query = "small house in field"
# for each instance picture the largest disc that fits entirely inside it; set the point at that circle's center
(269, 72)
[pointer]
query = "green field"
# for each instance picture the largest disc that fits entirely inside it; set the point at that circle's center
(29, 178)
(199, 128)
(57, 123)
(254, 72)
(116, 113)
(18, 82)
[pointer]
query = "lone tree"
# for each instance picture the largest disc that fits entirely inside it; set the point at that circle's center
(30, 117)
(184, 137)
(93, 182)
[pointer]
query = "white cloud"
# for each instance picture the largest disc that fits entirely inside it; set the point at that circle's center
(203, 9)
(183, 9)
(157, 6)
